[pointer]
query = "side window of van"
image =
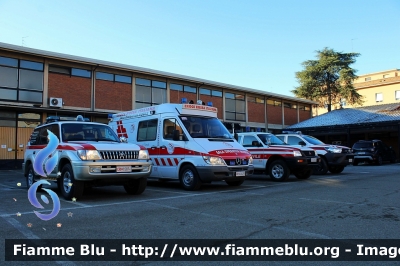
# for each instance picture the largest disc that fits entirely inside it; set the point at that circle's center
(147, 130)
(169, 126)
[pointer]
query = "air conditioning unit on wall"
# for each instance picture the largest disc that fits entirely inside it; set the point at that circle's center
(56, 102)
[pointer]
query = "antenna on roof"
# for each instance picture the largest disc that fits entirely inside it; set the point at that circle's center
(23, 40)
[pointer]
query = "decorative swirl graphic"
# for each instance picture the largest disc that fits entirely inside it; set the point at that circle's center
(33, 200)
(48, 158)
(49, 154)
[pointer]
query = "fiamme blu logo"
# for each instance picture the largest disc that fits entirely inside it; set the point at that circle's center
(43, 164)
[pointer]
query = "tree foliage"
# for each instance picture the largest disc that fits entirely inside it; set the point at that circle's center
(329, 79)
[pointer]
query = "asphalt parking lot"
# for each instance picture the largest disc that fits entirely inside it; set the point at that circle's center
(360, 203)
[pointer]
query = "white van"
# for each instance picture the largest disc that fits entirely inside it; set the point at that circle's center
(186, 142)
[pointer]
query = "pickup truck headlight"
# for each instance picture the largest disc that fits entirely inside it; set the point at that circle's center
(89, 155)
(333, 149)
(143, 155)
(214, 160)
(297, 154)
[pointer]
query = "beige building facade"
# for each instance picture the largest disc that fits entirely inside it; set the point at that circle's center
(377, 88)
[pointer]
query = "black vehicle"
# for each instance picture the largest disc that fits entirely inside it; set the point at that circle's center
(372, 151)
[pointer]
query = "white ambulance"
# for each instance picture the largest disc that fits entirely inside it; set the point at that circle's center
(186, 142)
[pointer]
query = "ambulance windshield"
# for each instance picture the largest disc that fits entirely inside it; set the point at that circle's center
(205, 127)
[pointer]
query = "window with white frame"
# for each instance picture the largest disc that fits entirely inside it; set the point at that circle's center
(397, 95)
(379, 97)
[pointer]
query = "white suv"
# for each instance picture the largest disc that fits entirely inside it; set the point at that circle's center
(333, 158)
(276, 158)
(84, 154)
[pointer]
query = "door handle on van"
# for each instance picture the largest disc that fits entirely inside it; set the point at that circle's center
(153, 147)
(163, 147)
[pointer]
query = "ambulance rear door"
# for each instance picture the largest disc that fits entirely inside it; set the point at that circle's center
(147, 132)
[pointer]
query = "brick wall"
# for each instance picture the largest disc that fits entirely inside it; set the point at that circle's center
(113, 95)
(274, 114)
(304, 115)
(217, 102)
(256, 112)
(75, 91)
(176, 96)
(290, 116)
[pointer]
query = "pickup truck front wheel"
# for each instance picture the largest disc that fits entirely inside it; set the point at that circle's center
(278, 171)
(336, 169)
(70, 188)
(322, 167)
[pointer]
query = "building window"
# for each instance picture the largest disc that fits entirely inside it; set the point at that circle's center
(21, 80)
(287, 105)
(6, 61)
(60, 69)
(104, 76)
(386, 76)
(81, 73)
(205, 91)
(176, 87)
(379, 97)
(274, 102)
(368, 79)
(113, 77)
(307, 108)
(397, 95)
(189, 89)
(216, 93)
(255, 99)
(235, 107)
(294, 106)
(150, 92)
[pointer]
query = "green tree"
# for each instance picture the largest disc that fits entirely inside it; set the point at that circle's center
(329, 79)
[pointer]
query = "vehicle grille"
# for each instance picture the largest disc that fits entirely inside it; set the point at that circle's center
(233, 162)
(309, 153)
(119, 155)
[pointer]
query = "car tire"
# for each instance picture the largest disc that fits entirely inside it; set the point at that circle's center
(336, 169)
(30, 176)
(322, 167)
(379, 161)
(278, 171)
(69, 187)
(234, 183)
(303, 174)
(135, 186)
(189, 178)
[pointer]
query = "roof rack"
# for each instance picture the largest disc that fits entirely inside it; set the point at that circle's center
(291, 132)
(79, 118)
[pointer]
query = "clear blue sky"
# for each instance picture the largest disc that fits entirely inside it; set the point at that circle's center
(258, 44)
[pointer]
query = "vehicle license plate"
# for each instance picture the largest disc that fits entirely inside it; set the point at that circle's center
(313, 160)
(350, 160)
(124, 169)
(241, 173)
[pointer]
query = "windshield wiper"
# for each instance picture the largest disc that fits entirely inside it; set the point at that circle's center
(105, 139)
